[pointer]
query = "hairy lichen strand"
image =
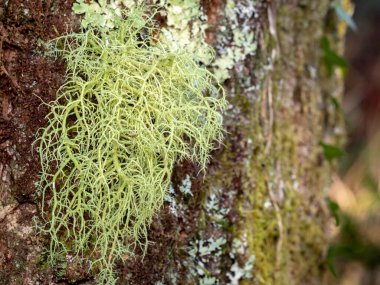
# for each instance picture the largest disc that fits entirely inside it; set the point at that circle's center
(131, 109)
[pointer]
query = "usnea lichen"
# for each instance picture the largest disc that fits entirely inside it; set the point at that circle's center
(129, 110)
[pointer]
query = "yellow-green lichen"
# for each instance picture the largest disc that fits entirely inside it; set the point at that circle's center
(130, 108)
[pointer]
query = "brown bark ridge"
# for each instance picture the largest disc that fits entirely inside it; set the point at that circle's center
(257, 216)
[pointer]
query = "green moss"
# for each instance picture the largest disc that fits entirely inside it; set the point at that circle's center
(284, 216)
(129, 110)
(281, 233)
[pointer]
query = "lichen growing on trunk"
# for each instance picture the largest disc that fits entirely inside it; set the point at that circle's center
(258, 214)
(129, 110)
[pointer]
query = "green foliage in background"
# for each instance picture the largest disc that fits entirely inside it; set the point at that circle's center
(343, 15)
(129, 110)
(331, 59)
(330, 151)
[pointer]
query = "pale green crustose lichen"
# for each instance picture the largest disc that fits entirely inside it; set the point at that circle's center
(170, 197)
(238, 272)
(101, 13)
(130, 109)
(209, 252)
(186, 29)
(242, 43)
(186, 26)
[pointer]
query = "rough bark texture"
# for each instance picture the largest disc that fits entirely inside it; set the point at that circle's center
(262, 197)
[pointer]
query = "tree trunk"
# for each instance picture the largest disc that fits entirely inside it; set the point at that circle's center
(258, 214)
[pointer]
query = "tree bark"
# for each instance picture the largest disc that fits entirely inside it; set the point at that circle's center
(258, 214)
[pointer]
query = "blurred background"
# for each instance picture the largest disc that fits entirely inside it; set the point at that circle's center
(355, 252)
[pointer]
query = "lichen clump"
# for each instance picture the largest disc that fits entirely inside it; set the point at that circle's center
(128, 111)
